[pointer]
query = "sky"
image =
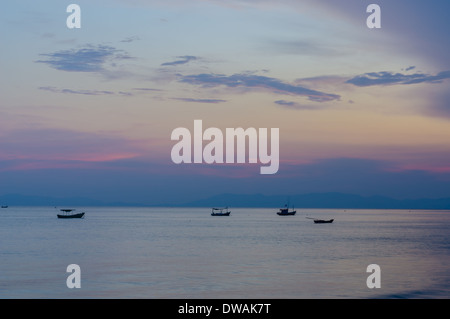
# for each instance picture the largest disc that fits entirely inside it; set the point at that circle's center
(89, 112)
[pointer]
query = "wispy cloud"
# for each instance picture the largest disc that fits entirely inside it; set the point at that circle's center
(130, 39)
(211, 101)
(65, 145)
(70, 91)
(255, 82)
(390, 78)
(322, 81)
(90, 58)
(131, 92)
(304, 47)
(147, 90)
(183, 60)
(297, 106)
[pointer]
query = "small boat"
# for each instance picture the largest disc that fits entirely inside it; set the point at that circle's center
(321, 221)
(220, 212)
(68, 215)
(4, 206)
(285, 211)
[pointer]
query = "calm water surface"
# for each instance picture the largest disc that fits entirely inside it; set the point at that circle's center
(186, 253)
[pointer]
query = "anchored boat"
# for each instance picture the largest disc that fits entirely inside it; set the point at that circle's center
(220, 212)
(285, 211)
(321, 221)
(67, 213)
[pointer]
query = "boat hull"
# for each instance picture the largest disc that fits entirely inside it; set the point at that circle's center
(286, 214)
(79, 215)
(319, 221)
(220, 214)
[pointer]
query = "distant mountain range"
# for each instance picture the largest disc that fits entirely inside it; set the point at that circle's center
(313, 200)
(322, 200)
(25, 200)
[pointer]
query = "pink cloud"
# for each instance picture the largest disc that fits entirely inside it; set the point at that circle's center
(45, 148)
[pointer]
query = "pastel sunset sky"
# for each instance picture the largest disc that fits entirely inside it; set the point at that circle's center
(89, 112)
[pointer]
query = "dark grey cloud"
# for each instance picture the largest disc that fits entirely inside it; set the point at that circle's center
(251, 81)
(212, 101)
(90, 58)
(390, 78)
(184, 59)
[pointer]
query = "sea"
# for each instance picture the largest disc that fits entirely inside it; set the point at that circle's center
(185, 253)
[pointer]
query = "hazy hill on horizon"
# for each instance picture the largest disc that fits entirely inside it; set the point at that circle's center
(322, 200)
(311, 200)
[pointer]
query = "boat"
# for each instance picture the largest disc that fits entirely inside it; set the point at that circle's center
(4, 206)
(321, 221)
(220, 212)
(68, 215)
(285, 211)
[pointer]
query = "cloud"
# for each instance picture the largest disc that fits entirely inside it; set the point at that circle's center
(286, 103)
(90, 58)
(184, 59)
(85, 92)
(125, 93)
(65, 145)
(251, 81)
(130, 39)
(296, 106)
(390, 78)
(212, 101)
(70, 91)
(323, 80)
(147, 89)
(304, 47)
